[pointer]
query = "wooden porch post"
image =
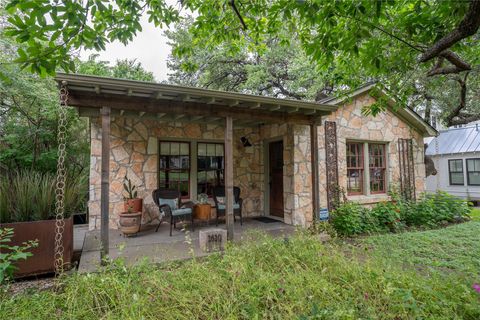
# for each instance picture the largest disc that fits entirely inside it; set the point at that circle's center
(229, 176)
(104, 201)
(315, 174)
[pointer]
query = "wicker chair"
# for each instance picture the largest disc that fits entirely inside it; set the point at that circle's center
(219, 192)
(169, 202)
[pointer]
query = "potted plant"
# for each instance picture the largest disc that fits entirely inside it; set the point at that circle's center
(202, 208)
(131, 202)
(130, 221)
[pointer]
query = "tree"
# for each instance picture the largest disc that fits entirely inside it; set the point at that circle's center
(279, 71)
(379, 40)
(122, 69)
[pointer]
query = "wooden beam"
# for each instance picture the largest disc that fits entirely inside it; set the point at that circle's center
(275, 108)
(122, 112)
(229, 177)
(211, 101)
(97, 89)
(105, 184)
(180, 107)
(178, 116)
(141, 113)
(160, 115)
(129, 92)
(315, 173)
(256, 105)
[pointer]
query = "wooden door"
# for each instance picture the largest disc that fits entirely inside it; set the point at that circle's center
(276, 178)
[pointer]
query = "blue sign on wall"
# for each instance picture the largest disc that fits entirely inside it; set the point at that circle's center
(323, 214)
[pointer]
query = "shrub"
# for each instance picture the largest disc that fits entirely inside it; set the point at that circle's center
(430, 211)
(349, 219)
(30, 196)
(10, 254)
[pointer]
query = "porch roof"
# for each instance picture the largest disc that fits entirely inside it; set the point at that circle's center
(184, 104)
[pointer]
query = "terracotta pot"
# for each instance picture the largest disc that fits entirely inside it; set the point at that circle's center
(129, 223)
(202, 211)
(133, 205)
(42, 261)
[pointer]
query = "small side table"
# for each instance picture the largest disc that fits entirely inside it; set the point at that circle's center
(202, 212)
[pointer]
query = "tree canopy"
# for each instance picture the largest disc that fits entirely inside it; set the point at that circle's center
(352, 41)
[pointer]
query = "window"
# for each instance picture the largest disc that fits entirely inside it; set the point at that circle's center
(377, 165)
(355, 168)
(174, 166)
(473, 172)
(455, 171)
(210, 164)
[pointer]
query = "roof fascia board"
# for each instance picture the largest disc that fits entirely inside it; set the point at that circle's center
(92, 81)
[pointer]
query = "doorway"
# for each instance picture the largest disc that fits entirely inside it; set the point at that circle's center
(275, 156)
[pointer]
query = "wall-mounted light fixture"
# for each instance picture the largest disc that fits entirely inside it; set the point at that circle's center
(245, 142)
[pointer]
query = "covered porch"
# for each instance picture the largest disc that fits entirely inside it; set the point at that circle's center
(270, 148)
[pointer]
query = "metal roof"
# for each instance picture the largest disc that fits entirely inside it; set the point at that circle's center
(454, 141)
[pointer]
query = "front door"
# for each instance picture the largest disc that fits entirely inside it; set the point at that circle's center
(276, 178)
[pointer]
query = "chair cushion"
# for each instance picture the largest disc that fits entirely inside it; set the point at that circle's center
(181, 212)
(222, 206)
(172, 203)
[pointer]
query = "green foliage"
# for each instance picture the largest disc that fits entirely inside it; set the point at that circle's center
(277, 70)
(350, 41)
(11, 254)
(129, 188)
(30, 196)
(430, 211)
(122, 69)
(261, 279)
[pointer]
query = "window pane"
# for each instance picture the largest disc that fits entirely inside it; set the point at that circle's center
(202, 149)
(377, 164)
(456, 165)
(165, 148)
(174, 148)
(473, 164)
(184, 149)
(456, 178)
(210, 161)
(354, 168)
(474, 178)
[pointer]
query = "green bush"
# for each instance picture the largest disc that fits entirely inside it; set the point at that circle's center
(30, 196)
(349, 219)
(430, 211)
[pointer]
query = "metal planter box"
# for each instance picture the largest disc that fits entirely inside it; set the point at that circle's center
(42, 261)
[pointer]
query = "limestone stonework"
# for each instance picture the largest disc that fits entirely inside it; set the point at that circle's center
(387, 128)
(134, 152)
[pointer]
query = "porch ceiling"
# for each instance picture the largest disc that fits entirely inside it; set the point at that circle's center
(183, 104)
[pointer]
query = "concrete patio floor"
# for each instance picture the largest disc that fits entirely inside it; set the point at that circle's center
(160, 247)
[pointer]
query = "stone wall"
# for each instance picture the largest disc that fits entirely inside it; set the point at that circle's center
(385, 127)
(134, 152)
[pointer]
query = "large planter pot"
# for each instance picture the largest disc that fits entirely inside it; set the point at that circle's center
(133, 205)
(202, 211)
(42, 261)
(129, 223)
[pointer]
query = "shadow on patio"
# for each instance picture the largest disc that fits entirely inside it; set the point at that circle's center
(160, 247)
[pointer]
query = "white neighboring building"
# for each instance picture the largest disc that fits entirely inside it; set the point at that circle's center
(456, 155)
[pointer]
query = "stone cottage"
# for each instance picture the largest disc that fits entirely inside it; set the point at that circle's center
(290, 158)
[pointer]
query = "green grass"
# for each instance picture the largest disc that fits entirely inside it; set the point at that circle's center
(276, 279)
(475, 214)
(452, 249)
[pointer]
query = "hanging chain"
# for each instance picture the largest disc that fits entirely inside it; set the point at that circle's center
(60, 184)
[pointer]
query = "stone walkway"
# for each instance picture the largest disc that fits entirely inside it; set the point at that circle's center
(160, 247)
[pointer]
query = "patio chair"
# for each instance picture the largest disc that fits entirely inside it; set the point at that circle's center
(219, 198)
(170, 203)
